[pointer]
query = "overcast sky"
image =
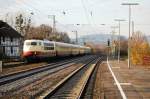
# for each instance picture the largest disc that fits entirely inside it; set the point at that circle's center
(90, 14)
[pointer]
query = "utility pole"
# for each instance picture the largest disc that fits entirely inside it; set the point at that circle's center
(54, 24)
(129, 4)
(119, 20)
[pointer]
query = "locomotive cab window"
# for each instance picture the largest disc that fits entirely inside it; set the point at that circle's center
(33, 43)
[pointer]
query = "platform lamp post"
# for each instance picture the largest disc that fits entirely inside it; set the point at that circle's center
(129, 4)
(119, 20)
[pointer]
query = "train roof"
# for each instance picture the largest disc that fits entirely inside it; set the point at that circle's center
(33, 40)
(59, 43)
(46, 41)
(65, 44)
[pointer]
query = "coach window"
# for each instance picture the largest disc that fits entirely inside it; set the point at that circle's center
(51, 48)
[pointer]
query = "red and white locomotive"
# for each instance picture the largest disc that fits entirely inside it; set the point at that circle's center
(33, 49)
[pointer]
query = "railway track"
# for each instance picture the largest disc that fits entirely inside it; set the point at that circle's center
(22, 74)
(73, 86)
(15, 82)
(23, 63)
(47, 65)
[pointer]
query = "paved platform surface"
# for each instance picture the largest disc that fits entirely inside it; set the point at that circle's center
(135, 81)
(104, 84)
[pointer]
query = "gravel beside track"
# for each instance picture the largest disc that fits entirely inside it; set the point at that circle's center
(25, 67)
(11, 64)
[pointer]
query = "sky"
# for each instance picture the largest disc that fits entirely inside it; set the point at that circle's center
(88, 14)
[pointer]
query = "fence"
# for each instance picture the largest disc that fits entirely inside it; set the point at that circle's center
(146, 60)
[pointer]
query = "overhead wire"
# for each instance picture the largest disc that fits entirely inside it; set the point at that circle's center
(92, 16)
(87, 16)
(86, 11)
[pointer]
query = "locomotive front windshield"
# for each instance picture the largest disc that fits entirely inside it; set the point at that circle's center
(32, 43)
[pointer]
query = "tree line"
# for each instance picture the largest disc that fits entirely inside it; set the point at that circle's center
(24, 25)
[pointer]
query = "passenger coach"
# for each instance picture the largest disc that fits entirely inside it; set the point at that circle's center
(38, 49)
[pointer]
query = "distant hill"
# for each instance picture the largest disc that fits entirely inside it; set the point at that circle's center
(97, 38)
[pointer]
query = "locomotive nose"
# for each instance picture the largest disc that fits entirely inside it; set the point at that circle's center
(28, 53)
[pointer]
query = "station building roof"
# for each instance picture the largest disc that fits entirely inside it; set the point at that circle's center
(7, 31)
